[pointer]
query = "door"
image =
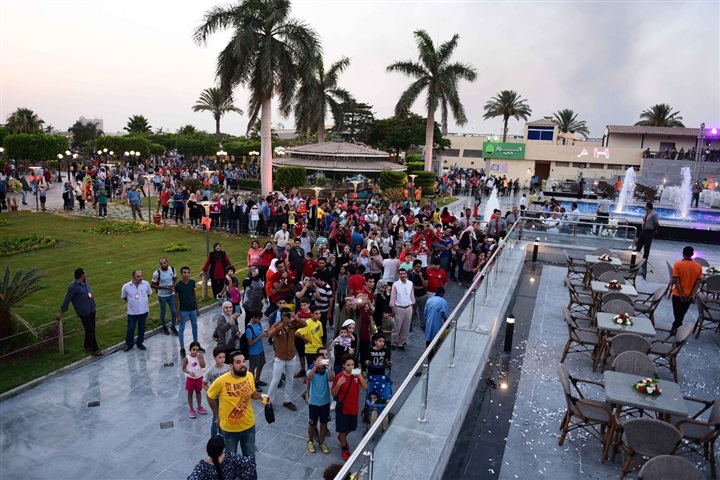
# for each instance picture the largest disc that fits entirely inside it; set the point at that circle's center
(542, 170)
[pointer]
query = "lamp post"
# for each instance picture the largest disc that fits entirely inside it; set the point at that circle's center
(60, 156)
(412, 179)
(535, 249)
(509, 330)
(206, 204)
(148, 182)
(317, 205)
(355, 184)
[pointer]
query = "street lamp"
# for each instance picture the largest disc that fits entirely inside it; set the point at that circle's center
(148, 182)
(355, 184)
(412, 179)
(59, 177)
(206, 204)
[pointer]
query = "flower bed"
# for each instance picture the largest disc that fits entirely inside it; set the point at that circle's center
(119, 228)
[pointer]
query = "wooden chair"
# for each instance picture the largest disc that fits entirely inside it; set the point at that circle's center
(580, 339)
(580, 303)
(648, 306)
(665, 352)
(646, 437)
(708, 312)
(600, 268)
(625, 342)
(710, 289)
(670, 282)
(576, 269)
(635, 363)
(699, 433)
(593, 416)
(618, 307)
(630, 273)
(669, 467)
(610, 276)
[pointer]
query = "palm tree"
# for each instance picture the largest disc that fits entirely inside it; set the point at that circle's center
(138, 125)
(12, 292)
(434, 72)
(507, 104)
(568, 123)
(213, 100)
(316, 94)
(269, 52)
(24, 120)
(187, 130)
(660, 115)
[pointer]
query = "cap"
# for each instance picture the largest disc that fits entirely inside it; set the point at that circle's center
(348, 322)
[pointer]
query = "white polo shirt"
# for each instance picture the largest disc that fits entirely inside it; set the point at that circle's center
(137, 297)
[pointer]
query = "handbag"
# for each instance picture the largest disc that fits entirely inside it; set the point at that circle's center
(269, 413)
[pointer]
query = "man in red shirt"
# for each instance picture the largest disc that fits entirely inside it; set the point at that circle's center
(356, 282)
(281, 282)
(407, 250)
(436, 276)
(310, 265)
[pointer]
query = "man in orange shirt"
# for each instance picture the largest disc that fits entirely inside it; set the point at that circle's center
(687, 275)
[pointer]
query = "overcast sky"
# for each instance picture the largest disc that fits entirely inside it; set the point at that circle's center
(605, 60)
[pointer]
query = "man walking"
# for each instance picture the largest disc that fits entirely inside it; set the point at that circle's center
(83, 302)
(186, 304)
(136, 293)
(686, 278)
(649, 228)
(603, 212)
(402, 299)
(135, 202)
(163, 281)
(234, 415)
(283, 335)
(437, 311)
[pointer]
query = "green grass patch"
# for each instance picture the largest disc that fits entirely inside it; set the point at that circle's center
(15, 245)
(119, 228)
(109, 261)
(177, 247)
(4, 223)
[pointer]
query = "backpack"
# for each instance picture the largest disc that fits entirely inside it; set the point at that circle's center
(254, 294)
(156, 275)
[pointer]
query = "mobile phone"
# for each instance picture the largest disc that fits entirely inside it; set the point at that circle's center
(355, 371)
(325, 362)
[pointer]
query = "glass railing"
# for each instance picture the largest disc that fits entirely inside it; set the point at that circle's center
(584, 231)
(372, 458)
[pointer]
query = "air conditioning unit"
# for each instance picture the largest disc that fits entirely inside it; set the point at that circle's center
(583, 165)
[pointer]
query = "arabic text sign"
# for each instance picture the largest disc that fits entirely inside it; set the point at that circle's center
(505, 151)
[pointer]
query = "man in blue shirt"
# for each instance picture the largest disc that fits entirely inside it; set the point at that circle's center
(81, 296)
(135, 202)
(437, 311)
(356, 239)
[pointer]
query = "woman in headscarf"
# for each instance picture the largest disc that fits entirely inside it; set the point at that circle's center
(254, 289)
(67, 196)
(227, 330)
(215, 266)
(195, 211)
(222, 465)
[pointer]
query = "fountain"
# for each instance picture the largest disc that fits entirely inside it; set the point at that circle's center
(685, 191)
(627, 191)
(492, 204)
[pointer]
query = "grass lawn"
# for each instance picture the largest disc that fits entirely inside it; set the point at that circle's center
(109, 261)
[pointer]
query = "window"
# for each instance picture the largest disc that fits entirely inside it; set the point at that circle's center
(472, 153)
(598, 166)
(562, 164)
(448, 152)
(540, 133)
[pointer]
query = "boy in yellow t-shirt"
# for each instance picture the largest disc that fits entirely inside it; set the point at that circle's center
(312, 334)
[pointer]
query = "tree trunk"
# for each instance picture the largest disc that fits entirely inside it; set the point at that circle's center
(505, 129)
(321, 131)
(429, 130)
(266, 147)
(217, 127)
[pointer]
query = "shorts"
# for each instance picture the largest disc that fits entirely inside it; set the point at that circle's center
(257, 361)
(318, 412)
(310, 359)
(345, 423)
(193, 384)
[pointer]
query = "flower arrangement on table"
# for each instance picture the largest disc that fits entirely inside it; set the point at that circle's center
(613, 285)
(648, 386)
(605, 257)
(712, 270)
(623, 319)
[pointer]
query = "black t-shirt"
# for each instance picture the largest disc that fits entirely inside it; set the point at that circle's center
(417, 282)
(377, 361)
(186, 292)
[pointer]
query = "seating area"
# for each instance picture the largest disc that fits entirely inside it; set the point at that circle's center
(591, 404)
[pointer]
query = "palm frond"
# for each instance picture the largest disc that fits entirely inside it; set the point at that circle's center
(407, 99)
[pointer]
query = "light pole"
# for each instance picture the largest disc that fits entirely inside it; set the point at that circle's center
(412, 179)
(355, 184)
(60, 156)
(206, 204)
(700, 145)
(148, 182)
(317, 205)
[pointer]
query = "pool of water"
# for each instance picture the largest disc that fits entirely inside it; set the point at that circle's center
(664, 213)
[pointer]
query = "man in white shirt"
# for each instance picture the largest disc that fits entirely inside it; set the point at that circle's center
(282, 237)
(402, 300)
(136, 293)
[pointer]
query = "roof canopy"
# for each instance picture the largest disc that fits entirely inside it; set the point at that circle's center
(337, 149)
(665, 131)
(348, 165)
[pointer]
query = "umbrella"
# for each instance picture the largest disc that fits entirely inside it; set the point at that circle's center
(569, 136)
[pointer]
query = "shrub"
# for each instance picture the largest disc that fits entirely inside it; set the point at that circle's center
(5, 223)
(413, 167)
(119, 228)
(392, 179)
(393, 194)
(176, 247)
(248, 183)
(124, 143)
(290, 177)
(12, 246)
(415, 158)
(427, 181)
(36, 147)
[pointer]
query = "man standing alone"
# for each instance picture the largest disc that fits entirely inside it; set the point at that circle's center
(163, 281)
(136, 293)
(81, 296)
(649, 228)
(402, 299)
(686, 278)
(135, 202)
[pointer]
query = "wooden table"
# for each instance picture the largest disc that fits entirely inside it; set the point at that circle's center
(640, 326)
(619, 393)
(592, 259)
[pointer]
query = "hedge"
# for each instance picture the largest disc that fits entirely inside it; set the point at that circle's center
(413, 167)
(125, 143)
(427, 181)
(196, 146)
(290, 177)
(415, 158)
(241, 148)
(392, 179)
(248, 183)
(36, 147)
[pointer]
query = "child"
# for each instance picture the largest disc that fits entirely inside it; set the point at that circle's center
(375, 399)
(193, 366)
(341, 345)
(311, 336)
(378, 356)
(171, 207)
(300, 342)
(388, 324)
(256, 351)
(212, 374)
(319, 400)
(468, 260)
(346, 387)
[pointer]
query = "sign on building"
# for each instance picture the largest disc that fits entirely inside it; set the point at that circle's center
(499, 167)
(515, 151)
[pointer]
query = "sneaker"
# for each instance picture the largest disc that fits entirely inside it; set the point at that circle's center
(345, 454)
(202, 411)
(258, 389)
(300, 374)
(182, 353)
(174, 331)
(324, 448)
(311, 447)
(165, 331)
(290, 406)
(192, 414)
(260, 383)
(333, 404)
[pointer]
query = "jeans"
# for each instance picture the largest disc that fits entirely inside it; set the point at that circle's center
(253, 226)
(88, 323)
(132, 321)
(445, 263)
(163, 301)
(192, 317)
(136, 210)
(644, 243)
(102, 210)
(279, 367)
(213, 425)
(246, 439)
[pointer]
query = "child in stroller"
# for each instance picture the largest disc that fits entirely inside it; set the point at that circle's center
(380, 388)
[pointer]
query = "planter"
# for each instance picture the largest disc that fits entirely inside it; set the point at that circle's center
(157, 219)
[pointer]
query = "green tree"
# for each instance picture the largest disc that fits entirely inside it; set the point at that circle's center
(13, 291)
(37, 147)
(125, 143)
(507, 104)
(434, 72)
(268, 53)
(357, 121)
(196, 145)
(138, 125)
(660, 115)
(215, 101)
(24, 120)
(400, 134)
(318, 93)
(84, 133)
(568, 123)
(187, 130)
(290, 177)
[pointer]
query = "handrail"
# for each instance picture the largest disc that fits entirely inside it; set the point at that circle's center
(479, 278)
(574, 231)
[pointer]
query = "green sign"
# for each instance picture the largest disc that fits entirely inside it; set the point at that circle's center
(504, 150)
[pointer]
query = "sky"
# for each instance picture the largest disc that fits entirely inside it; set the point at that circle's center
(607, 61)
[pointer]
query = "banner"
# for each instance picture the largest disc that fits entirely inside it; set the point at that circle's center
(515, 151)
(499, 167)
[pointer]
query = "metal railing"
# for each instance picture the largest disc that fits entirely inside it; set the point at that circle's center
(584, 228)
(487, 275)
